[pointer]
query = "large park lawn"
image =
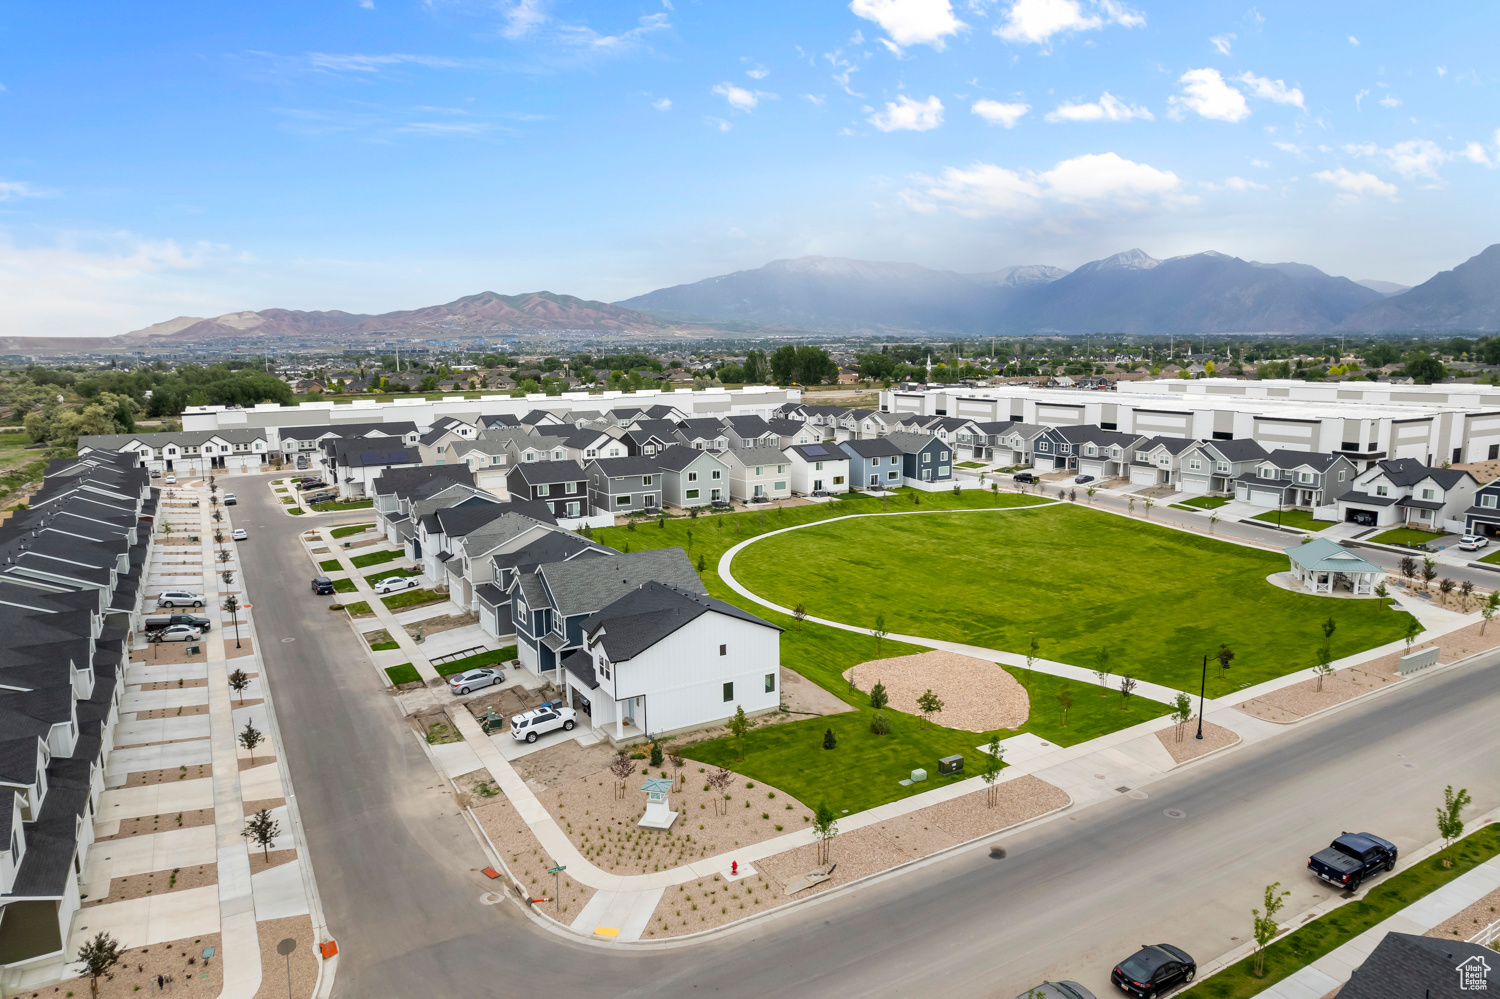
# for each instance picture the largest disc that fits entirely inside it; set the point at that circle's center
(1074, 578)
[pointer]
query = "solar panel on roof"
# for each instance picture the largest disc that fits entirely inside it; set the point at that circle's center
(814, 449)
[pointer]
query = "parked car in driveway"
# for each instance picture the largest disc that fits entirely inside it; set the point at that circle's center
(529, 725)
(156, 473)
(1081, 479)
(1473, 542)
(473, 679)
(322, 585)
(179, 598)
(239, 534)
(1154, 970)
(1352, 858)
(162, 621)
(395, 584)
(179, 633)
(1057, 990)
(170, 480)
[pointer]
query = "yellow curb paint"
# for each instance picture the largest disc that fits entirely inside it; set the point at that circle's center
(606, 931)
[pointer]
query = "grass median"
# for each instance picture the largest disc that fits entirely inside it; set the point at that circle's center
(412, 598)
(363, 504)
(405, 673)
(348, 529)
(374, 558)
(1300, 519)
(1304, 945)
(477, 660)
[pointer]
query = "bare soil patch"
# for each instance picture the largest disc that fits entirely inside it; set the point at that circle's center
(171, 653)
(141, 778)
(246, 646)
(1303, 698)
(1469, 922)
(197, 681)
(135, 975)
(527, 862)
(259, 760)
(376, 637)
(977, 695)
(144, 824)
(182, 711)
(273, 967)
(434, 625)
(508, 701)
(603, 825)
(251, 807)
(564, 762)
(158, 883)
(801, 696)
(259, 861)
(1190, 748)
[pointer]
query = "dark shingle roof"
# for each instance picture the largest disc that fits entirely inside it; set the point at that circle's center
(422, 482)
(680, 456)
(874, 447)
(618, 468)
(651, 612)
(1403, 965)
(583, 586)
(538, 472)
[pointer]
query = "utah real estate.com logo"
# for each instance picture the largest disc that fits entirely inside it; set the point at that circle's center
(1473, 974)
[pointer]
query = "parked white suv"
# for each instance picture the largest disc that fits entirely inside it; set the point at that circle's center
(526, 726)
(179, 598)
(1473, 542)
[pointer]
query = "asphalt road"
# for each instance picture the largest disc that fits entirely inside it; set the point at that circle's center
(397, 867)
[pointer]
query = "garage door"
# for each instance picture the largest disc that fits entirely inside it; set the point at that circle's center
(1143, 475)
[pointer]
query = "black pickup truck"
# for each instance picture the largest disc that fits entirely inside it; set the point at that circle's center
(158, 622)
(1353, 857)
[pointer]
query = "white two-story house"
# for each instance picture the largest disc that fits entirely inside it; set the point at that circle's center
(1407, 492)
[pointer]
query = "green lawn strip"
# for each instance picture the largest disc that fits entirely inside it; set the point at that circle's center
(380, 574)
(1095, 711)
(348, 529)
(1403, 536)
(359, 609)
(363, 504)
(1159, 598)
(405, 673)
(1204, 502)
(1492, 557)
(411, 598)
(330, 565)
(343, 586)
(373, 558)
(385, 647)
(969, 464)
(1300, 519)
(297, 512)
(1312, 940)
(504, 655)
(288, 501)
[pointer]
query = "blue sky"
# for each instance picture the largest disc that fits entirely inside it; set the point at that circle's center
(173, 158)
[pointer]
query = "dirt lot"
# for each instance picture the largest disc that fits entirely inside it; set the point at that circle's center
(434, 625)
(143, 824)
(801, 695)
(977, 695)
(524, 856)
(142, 777)
(602, 824)
(509, 701)
(564, 762)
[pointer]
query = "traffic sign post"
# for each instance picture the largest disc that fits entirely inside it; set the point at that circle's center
(556, 873)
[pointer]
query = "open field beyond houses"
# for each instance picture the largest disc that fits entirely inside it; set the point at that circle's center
(1074, 578)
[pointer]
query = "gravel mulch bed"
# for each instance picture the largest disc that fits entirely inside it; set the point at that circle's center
(1214, 737)
(527, 862)
(163, 742)
(273, 967)
(197, 681)
(259, 760)
(145, 824)
(141, 778)
(135, 975)
(977, 695)
(856, 855)
(251, 807)
(246, 646)
(170, 653)
(158, 883)
(184, 711)
(1469, 922)
(603, 825)
(261, 862)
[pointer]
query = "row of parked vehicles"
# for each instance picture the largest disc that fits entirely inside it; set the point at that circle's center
(1156, 969)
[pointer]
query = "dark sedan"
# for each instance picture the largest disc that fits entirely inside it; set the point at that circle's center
(322, 585)
(1057, 990)
(1154, 970)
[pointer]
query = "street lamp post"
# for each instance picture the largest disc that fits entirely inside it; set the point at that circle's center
(233, 606)
(1202, 690)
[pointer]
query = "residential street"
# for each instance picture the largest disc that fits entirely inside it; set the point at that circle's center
(397, 867)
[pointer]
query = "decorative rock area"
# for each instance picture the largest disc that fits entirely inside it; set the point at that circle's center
(977, 695)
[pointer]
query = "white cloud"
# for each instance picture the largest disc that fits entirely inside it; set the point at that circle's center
(1355, 185)
(718, 123)
(998, 113)
(665, 104)
(1412, 159)
(758, 73)
(906, 115)
(983, 189)
(1223, 42)
(1237, 184)
(844, 69)
(1260, 163)
(738, 97)
(911, 22)
(588, 39)
(1107, 108)
(522, 17)
(10, 190)
(355, 62)
(1037, 21)
(1205, 92)
(1288, 147)
(1354, 41)
(1390, 101)
(367, 4)
(1476, 153)
(1272, 90)
(818, 100)
(1442, 71)
(1359, 97)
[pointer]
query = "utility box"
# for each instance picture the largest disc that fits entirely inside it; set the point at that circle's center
(918, 775)
(950, 765)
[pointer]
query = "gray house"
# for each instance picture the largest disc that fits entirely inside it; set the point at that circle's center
(1210, 467)
(1296, 479)
(625, 485)
(923, 458)
(690, 477)
(874, 463)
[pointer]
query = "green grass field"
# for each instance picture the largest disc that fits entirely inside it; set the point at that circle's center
(348, 529)
(1075, 579)
(1204, 502)
(405, 673)
(360, 608)
(1404, 536)
(363, 504)
(411, 598)
(343, 586)
(373, 558)
(330, 565)
(502, 655)
(1300, 519)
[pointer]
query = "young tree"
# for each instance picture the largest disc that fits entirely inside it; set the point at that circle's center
(1265, 925)
(993, 763)
(879, 631)
(1130, 504)
(1450, 823)
(1323, 665)
(800, 613)
(228, 576)
(1329, 627)
(1182, 712)
(97, 957)
(738, 726)
(1102, 669)
(1213, 518)
(251, 737)
(1413, 629)
(1465, 591)
(825, 827)
(1445, 587)
(1383, 593)
(829, 742)
(622, 767)
(674, 757)
(1429, 571)
(239, 680)
(1225, 656)
(929, 704)
(1031, 658)
(719, 780)
(262, 830)
(1148, 503)
(1091, 490)
(1127, 687)
(1065, 702)
(656, 755)
(878, 696)
(1488, 608)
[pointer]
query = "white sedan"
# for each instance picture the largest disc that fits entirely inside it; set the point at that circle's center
(395, 584)
(239, 534)
(1473, 542)
(180, 633)
(170, 480)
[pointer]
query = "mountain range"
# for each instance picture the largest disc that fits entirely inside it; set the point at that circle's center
(1130, 292)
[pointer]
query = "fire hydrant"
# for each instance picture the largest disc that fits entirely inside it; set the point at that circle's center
(734, 867)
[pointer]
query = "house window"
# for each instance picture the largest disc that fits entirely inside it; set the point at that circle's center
(780, 469)
(1487, 501)
(1142, 456)
(649, 449)
(838, 480)
(1195, 464)
(692, 476)
(759, 469)
(723, 650)
(544, 490)
(622, 501)
(646, 480)
(779, 487)
(591, 453)
(718, 474)
(1224, 466)
(691, 494)
(1428, 494)
(1341, 475)
(729, 691)
(942, 456)
(892, 476)
(926, 459)
(1494, 452)
(770, 683)
(943, 470)
(1382, 490)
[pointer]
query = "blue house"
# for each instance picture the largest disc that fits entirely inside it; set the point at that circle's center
(923, 458)
(874, 463)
